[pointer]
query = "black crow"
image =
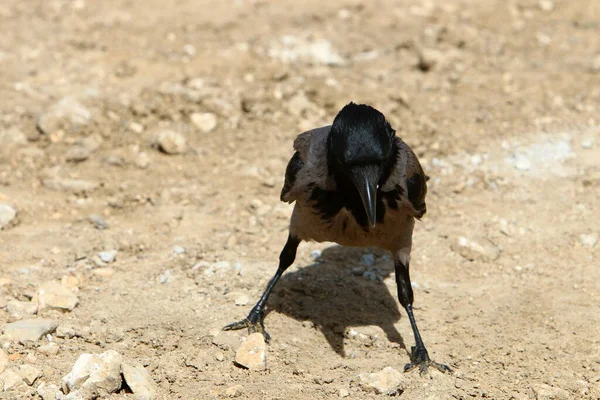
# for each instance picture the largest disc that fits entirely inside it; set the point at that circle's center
(357, 184)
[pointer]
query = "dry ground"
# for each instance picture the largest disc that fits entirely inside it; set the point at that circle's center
(499, 99)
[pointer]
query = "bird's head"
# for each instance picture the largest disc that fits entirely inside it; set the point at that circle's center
(361, 144)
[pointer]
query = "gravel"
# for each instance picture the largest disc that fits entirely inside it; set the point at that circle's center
(29, 329)
(140, 382)
(94, 375)
(56, 296)
(205, 122)
(252, 354)
(171, 142)
(387, 381)
(108, 256)
(7, 215)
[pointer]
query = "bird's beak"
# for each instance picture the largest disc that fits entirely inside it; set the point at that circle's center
(365, 177)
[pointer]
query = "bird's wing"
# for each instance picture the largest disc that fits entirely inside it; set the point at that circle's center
(294, 165)
(408, 180)
(310, 149)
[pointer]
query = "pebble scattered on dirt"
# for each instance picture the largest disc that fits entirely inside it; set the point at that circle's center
(252, 353)
(139, 381)
(57, 296)
(94, 375)
(387, 381)
(171, 142)
(7, 215)
(29, 329)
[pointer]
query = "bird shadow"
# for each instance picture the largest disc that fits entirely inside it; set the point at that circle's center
(334, 294)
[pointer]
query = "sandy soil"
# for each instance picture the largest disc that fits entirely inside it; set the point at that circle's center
(500, 100)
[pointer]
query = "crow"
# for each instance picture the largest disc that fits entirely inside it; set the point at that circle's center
(357, 184)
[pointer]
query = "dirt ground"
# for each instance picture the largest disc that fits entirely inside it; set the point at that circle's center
(500, 100)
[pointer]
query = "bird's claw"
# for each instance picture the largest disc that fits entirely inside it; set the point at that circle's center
(254, 325)
(420, 358)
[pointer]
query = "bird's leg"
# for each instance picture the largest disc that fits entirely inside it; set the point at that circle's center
(254, 320)
(419, 355)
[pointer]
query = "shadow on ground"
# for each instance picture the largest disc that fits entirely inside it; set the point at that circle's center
(335, 298)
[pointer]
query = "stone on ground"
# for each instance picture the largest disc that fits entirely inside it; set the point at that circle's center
(94, 375)
(29, 329)
(252, 354)
(56, 296)
(140, 382)
(387, 381)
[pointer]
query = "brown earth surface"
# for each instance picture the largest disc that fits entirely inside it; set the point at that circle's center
(500, 100)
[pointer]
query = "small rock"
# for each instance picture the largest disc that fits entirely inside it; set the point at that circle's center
(542, 391)
(292, 49)
(522, 163)
(234, 391)
(96, 375)
(11, 380)
(189, 50)
(98, 221)
(178, 250)
(358, 271)
(587, 143)
(219, 356)
(205, 122)
(108, 256)
(103, 272)
(140, 382)
(368, 260)
(136, 127)
(29, 329)
(142, 161)
(252, 354)
(65, 332)
(3, 361)
(171, 142)
(29, 373)
(55, 295)
(344, 393)
(473, 251)
(78, 154)
(7, 215)
(67, 114)
(588, 239)
(167, 277)
(387, 381)
(76, 186)
(373, 274)
(48, 392)
(242, 300)
(546, 5)
(50, 349)
(21, 309)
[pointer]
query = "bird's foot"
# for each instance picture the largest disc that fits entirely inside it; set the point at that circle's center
(420, 358)
(254, 323)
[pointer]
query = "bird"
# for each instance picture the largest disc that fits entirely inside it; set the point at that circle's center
(358, 184)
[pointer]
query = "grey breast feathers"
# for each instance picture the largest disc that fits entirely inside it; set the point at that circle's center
(308, 166)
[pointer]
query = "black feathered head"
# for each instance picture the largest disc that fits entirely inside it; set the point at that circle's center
(360, 135)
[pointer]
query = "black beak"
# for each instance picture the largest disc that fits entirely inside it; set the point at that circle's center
(365, 178)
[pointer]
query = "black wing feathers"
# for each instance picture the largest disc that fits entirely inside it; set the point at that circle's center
(417, 189)
(294, 165)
